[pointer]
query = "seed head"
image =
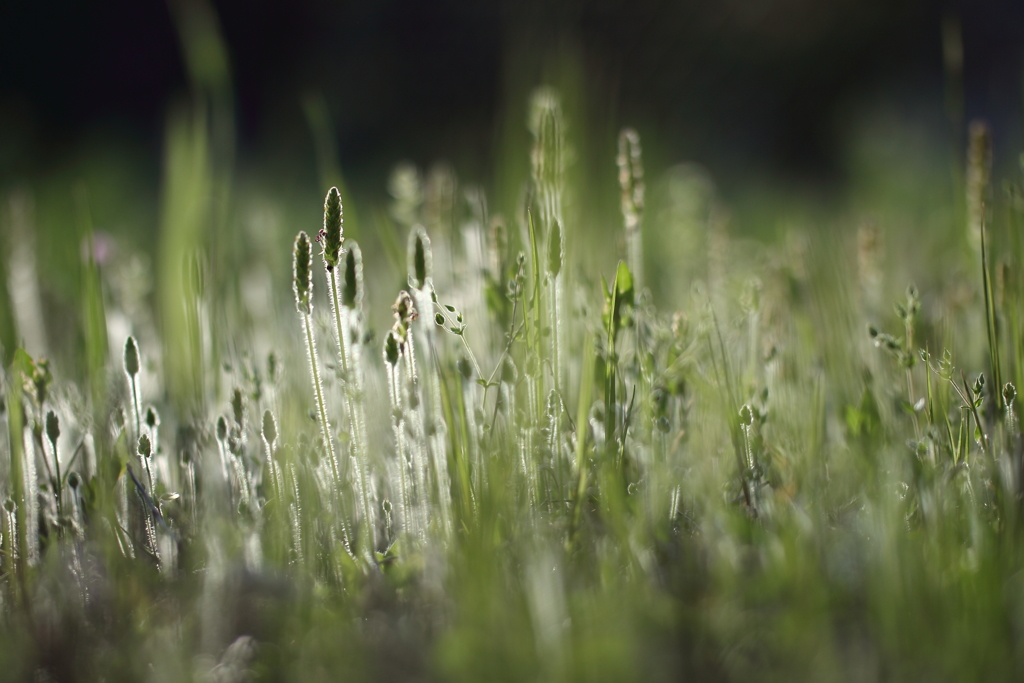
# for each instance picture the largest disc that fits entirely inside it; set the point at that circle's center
(152, 418)
(302, 284)
(333, 233)
(1009, 393)
(352, 285)
(74, 480)
(391, 345)
(52, 428)
(631, 177)
(131, 357)
(979, 172)
(222, 428)
(545, 122)
(746, 416)
(269, 427)
(420, 260)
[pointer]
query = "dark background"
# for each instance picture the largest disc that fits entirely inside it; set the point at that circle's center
(732, 83)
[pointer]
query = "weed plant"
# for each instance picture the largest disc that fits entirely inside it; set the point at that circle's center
(532, 475)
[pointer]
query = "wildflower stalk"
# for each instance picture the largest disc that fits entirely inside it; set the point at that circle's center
(131, 368)
(303, 289)
(393, 368)
(145, 452)
(991, 327)
(409, 387)
(52, 434)
(17, 527)
(556, 256)
(631, 180)
(349, 343)
(547, 169)
(343, 309)
(421, 283)
(269, 435)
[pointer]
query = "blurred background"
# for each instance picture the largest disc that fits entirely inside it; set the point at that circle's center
(792, 109)
(743, 87)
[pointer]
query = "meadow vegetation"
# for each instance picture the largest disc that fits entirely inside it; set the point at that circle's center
(720, 457)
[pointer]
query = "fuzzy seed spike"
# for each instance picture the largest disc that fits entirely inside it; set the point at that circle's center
(631, 176)
(131, 357)
(52, 428)
(352, 285)
(420, 259)
(269, 428)
(391, 348)
(333, 234)
(302, 283)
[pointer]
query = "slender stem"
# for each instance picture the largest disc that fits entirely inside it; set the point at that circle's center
(332, 285)
(58, 483)
(355, 421)
(135, 407)
(314, 366)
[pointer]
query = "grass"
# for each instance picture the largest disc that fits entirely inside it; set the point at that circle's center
(535, 473)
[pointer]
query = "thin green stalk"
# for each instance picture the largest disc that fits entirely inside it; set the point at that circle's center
(990, 315)
(314, 367)
(582, 410)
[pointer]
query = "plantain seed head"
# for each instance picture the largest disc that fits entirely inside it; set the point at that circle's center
(131, 357)
(302, 283)
(269, 427)
(420, 260)
(352, 284)
(52, 428)
(333, 233)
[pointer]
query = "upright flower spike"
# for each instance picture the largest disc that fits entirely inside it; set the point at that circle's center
(52, 429)
(131, 368)
(131, 357)
(631, 177)
(631, 181)
(545, 122)
(269, 428)
(391, 347)
(420, 259)
(302, 283)
(352, 284)
(979, 176)
(52, 434)
(333, 233)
